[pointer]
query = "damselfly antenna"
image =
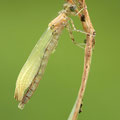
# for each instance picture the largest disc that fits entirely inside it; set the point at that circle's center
(80, 11)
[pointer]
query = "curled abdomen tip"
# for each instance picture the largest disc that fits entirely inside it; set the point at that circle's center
(21, 105)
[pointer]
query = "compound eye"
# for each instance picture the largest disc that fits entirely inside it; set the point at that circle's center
(72, 8)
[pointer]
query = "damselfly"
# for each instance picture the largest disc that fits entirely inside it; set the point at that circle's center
(34, 67)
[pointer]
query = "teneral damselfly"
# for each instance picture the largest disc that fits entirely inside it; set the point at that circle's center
(34, 67)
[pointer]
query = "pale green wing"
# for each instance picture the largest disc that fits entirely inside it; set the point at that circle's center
(32, 65)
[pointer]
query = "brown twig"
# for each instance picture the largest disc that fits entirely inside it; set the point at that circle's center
(87, 26)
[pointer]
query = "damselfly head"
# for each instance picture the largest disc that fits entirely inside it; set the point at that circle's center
(70, 9)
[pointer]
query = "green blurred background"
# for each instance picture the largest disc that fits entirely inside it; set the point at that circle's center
(22, 22)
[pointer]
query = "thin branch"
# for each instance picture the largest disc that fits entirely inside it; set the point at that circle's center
(87, 26)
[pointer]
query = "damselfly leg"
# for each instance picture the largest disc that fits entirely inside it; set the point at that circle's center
(75, 29)
(68, 27)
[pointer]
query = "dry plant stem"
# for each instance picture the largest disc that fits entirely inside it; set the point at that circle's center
(87, 26)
